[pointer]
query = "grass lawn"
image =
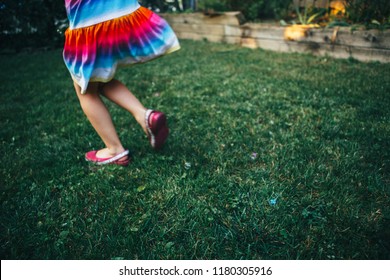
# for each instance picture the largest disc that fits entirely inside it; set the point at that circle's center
(271, 156)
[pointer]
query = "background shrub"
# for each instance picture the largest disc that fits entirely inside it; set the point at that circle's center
(31, 23)
(40, 23)
(364, 11)
(252, 9)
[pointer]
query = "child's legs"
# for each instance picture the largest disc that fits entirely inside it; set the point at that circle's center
(100, 118)
(121, 95)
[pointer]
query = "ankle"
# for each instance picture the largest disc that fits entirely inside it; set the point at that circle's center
(111, 151)
(140, 118)
(116, 150)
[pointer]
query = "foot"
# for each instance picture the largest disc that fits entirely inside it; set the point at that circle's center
(106, 152)
(118, 159)
(157, 128)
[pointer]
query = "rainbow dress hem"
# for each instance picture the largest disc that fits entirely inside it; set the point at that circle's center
(94, 53)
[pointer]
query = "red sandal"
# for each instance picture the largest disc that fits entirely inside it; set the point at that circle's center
(157, 128)
(91, 157)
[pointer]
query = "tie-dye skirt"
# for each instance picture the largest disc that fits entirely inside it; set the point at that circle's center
(93, 53)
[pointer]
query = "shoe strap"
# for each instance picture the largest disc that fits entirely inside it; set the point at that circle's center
(149, 130)
(147, 116)
(115, 158)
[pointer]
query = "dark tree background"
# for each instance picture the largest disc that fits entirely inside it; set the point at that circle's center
(31, 23)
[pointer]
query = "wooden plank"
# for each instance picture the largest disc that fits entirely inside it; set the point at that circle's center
(231, 18)
(338, 51)
(249, 43)
(272, 45)
(264, 32)
(200, 28)
(232, 40)
(367, 39)
(361, 44)
(200, 37)
(359, 53)
(233, 31)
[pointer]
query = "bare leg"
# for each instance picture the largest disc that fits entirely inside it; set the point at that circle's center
(122, 96)
(100, 118)
(157, 129)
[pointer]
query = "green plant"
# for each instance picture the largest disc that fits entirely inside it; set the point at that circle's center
(304, 17)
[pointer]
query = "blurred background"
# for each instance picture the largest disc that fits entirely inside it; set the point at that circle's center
(28, 24)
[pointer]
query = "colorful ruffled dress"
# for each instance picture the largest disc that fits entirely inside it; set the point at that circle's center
(106, 34)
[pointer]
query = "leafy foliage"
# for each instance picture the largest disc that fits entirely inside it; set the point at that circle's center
(252, 9)
(365, 11)
(30, 23)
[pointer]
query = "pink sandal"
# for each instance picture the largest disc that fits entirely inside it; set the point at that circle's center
(157, 128)
(91, 157)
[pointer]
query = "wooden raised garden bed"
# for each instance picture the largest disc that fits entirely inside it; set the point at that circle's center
(363, 45)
